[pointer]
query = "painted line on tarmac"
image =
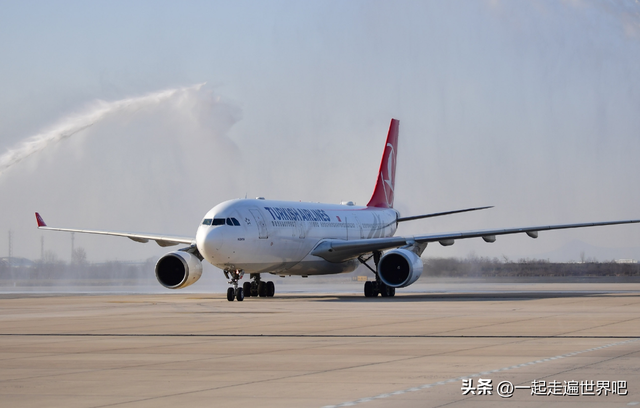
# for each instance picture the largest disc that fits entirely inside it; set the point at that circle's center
(365, 336)
(464, 377)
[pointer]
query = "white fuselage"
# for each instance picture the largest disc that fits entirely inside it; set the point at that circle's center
(259, 236)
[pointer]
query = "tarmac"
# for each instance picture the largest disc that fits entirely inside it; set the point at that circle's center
(418, 349)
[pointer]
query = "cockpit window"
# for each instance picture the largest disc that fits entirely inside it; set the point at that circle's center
(221, 221)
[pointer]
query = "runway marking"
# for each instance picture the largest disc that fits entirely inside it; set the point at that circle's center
(338, 336)
(450, 380)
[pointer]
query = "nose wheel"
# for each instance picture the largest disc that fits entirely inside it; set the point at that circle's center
(234, 292)
(237, 294)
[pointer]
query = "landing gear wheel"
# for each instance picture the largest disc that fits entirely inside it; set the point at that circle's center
(255, 285)
(262, 289)
(373, 288)
(368, 289)
(246, 287)
(385, 291)
(240, 295)
(271, 289)
(392, 292)
(230, 294)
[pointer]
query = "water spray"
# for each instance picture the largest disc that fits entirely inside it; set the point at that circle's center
(74, 124)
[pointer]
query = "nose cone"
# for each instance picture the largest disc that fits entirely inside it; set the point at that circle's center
(209, 241)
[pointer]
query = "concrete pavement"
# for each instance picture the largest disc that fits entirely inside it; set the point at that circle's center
(316, 350)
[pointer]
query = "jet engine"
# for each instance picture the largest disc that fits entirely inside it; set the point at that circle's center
(399, 268)
(178, 269)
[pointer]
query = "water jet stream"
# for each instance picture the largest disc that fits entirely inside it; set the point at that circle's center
(73, 124)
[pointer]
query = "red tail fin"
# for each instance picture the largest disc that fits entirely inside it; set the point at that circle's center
(383, 194)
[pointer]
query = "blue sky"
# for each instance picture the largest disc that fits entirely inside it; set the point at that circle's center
(528, 106)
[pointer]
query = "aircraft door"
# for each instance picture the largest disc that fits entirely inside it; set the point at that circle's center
(262, 225)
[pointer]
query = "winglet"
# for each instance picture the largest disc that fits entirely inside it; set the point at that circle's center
(383, 193)
(41, 222)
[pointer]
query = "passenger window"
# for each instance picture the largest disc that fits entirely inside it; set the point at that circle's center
(229, 222)
(207, 221)
(235, 222)
(218, 221)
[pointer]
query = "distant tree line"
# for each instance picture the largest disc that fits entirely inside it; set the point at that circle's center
(50, 270)
(493, 267)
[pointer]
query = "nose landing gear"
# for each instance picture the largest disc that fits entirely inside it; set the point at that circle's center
(235, 292)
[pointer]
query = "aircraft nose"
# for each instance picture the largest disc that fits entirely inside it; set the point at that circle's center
(209, 241)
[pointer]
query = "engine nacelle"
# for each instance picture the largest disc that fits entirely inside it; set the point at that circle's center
(178, 269)
(399, 268)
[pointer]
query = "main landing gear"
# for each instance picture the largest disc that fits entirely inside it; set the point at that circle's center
(258, 287)
(373, 288)
(255, 288)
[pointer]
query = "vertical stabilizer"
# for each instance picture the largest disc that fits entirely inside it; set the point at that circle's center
(383, 193)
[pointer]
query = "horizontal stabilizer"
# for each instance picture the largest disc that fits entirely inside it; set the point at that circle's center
(417, 217)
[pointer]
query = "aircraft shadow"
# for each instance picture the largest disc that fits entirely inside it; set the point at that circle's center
(458, 297)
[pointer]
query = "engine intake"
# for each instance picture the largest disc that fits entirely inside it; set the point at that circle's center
(178, 269)
(399, 268)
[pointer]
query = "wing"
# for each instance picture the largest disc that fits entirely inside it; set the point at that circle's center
(162, 240)
(336, 250)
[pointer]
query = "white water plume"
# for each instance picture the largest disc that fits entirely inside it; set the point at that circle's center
(73, 124)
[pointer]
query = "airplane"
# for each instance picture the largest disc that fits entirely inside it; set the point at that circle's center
(259, 236)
